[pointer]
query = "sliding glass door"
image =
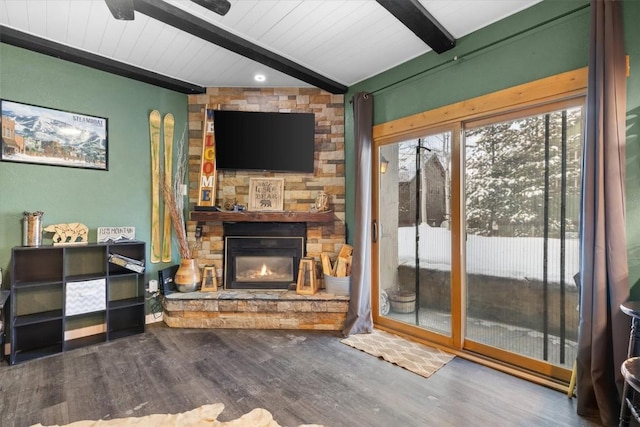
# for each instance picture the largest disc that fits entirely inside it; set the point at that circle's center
(415, 232)
(522, 193)
(477, 236)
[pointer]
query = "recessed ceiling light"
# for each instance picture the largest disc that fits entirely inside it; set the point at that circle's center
(259, 77)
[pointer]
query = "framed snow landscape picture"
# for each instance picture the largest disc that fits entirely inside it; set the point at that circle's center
(32, 134)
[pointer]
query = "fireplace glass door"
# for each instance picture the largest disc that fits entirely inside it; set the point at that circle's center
(264, 269)
(263, 256)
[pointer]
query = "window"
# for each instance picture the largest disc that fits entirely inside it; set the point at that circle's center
(522, 199)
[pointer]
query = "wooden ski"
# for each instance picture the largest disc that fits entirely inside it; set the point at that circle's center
(167, 124)
(154, 132)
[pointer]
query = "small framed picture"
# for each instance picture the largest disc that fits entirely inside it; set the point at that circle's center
(266, 194)
(209, 280)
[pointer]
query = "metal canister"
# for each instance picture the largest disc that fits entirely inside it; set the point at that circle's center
(32, 228)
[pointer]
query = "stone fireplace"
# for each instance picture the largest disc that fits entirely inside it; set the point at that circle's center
(245, 302)
(262, 255)
(300, 189)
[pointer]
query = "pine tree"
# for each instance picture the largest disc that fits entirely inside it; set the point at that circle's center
(505, 178)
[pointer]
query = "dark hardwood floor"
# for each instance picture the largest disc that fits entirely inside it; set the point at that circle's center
(300, 377)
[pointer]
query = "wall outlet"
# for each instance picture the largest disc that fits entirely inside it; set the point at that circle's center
(184, 189)
(153, 286)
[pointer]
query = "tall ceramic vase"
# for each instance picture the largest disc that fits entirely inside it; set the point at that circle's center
(188, 276)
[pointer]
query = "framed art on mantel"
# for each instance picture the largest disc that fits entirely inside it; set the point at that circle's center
(266, 194)
(46, 136)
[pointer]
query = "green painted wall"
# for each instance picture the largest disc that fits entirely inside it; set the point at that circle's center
(546, 39)
(117, 197)
(549, 38)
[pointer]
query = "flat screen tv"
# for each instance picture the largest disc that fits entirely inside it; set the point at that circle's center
(264, 141)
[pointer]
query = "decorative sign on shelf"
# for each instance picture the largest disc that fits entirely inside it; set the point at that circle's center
(266, 194)
(116, 234)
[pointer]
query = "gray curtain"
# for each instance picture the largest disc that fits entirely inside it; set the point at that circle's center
(359, 318)
(604, 330)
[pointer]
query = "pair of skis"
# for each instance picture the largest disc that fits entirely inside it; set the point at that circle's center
(160, 249)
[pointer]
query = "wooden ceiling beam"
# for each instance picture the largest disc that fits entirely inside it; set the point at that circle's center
(47, 47)
(415, 17)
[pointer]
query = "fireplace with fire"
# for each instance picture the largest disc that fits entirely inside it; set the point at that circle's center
(262, 255)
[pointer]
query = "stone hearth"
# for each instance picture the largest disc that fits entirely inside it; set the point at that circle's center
(247, 309)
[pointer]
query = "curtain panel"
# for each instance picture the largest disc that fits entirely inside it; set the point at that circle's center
(359, 318)
(604, 330)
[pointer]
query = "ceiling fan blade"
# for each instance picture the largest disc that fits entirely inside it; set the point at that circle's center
(221, 7)
(121, 9)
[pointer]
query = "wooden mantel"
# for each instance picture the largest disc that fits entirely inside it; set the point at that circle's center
(227, 216)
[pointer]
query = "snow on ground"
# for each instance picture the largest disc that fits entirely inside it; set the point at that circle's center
(515, 257)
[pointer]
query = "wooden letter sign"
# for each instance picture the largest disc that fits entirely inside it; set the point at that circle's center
(207, 185)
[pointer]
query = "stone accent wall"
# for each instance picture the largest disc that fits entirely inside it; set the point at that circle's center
(300, 189)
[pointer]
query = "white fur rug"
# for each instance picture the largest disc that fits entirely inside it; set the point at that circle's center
(204, 416)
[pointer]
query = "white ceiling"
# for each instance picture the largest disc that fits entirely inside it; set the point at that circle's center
(344, 40)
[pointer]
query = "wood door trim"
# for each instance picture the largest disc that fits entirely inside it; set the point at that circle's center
(560, 86)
